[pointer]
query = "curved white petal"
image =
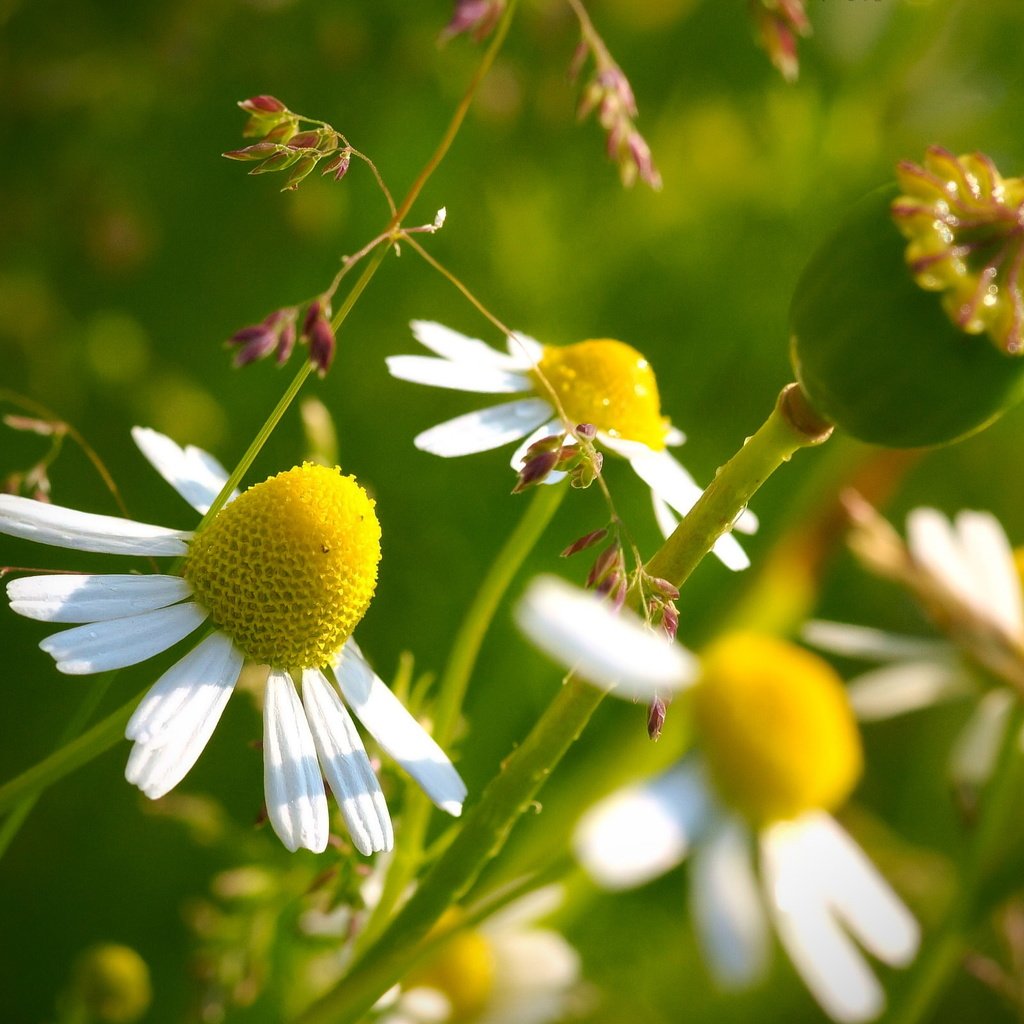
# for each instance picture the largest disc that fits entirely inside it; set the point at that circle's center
(642, 831)
(989, 558)
(871, 644)
(823, 954)
(459, 348)
(346, 766)
(73, 598)
(973, 757)
(458, 376)
(177, 717)
(85, 531)
(674, 437)
(484, 429)
(935, 546)
(196, 475)
(614, 650)
(908, 686)
(727, 906)
(292, 786)
(526, 351)
(398, 733)
(202, 679)
(99, 646)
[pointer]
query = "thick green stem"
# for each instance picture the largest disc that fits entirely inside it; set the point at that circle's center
(482, 835)
(791, 426)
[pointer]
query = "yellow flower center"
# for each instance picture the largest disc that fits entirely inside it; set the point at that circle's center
(463, 969)
(288, 569)
(776, 727)
(606, 383)
(1018, 561)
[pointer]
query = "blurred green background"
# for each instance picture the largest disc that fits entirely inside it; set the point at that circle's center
(129, 250)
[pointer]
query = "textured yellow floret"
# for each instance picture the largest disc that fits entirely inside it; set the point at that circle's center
(606, 383)
(463, 969)
(776, 727)
(288, 569)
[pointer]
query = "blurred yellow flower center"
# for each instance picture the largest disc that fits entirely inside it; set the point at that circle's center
(288, 569)
(463, 969)
(776, 728)
(606, 383)
(1018, 561)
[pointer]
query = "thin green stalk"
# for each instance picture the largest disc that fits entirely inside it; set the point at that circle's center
(943, 954)
(483, 833)
(452, 691)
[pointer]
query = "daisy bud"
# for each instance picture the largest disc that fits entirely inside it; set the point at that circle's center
(656, 712)
(286, 342)
(278, 162)
(263, 105)
(300, 171)
(477, 17)
(258, 151)
(886, 344)
(586, 431)
(256, 343)
(338, 165)
(535, 469)
(586, 541)
(670, 620)
(610, 560)
(321, 346)
(305, 140)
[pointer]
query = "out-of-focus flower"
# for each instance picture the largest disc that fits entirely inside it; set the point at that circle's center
(506, 971)
(282, 574)
(778, 752)
(110, 985)
(601, 382)
(779, 25)
(475, 17)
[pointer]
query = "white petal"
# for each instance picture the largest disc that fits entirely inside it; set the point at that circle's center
(727, 905)
(822, 953)
(484, 429)
(292, 786)
(640, 832)
(202, 678)
(100, 646)
(177, 717)
(909, 686)
(398, 733)
(675, 437)
(612, 650)
(666, 519)
(974, 753)
(871, 644)
(73, 598)
(935, 546)
(526, 351)
(440, 373)
(458, 348)
(534, 972)
(196, 475)
(860, 896)
(990, 560)
(86, 531)
(348, 769)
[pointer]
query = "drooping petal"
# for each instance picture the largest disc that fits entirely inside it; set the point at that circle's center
(176, 719)
(292, 786)
(85, 531)
(399, 734)
(642, 831)
(100, 646)
(484, 429)
(871, 644)
(458, 348)
(458, 376)
(727, 905)
(906, 686)
(196, 475)
(87, 598)
(974, 753)
(614, 650)
(990, 560)
(344, 762)
(823, 954)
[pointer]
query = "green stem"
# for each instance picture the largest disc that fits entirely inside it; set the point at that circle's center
(944, 953)
(452, 691)
(482, 835)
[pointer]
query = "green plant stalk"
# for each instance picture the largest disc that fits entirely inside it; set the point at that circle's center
(452, 691)
(510, 794)
(944, 953)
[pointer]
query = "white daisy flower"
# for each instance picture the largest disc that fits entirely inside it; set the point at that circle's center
(779, 750)
(280, 576)
(970, 577)
(506, 971)
(602, 382)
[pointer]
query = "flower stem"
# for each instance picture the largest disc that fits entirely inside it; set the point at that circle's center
(482, 835)
(452, 690)
(943, 955)
(791, 426)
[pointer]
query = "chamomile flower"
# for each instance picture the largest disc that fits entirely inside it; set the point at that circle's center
(280, 576)
(779, 751)
(508, 970)
(602, 382)
(969, 578)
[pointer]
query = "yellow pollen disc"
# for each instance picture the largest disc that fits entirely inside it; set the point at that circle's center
(776, 727)
(606, 383)
(463, 969)
(1018, 561)
(288, 569)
